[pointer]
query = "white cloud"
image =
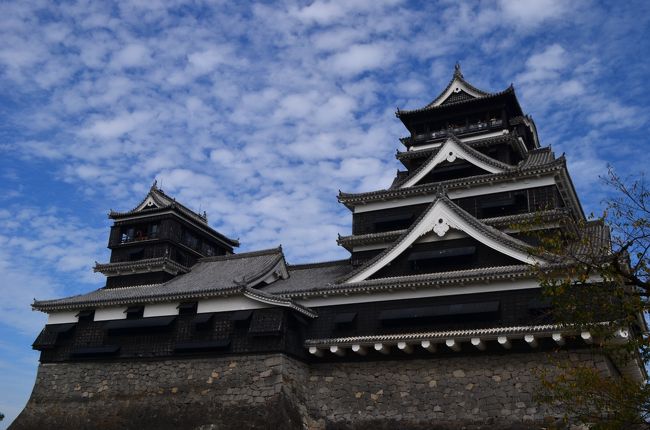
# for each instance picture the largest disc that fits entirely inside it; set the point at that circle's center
(531, 13)
(205, 61)
(360, 58)
(545, 65)
(115, 126)
(132, 55)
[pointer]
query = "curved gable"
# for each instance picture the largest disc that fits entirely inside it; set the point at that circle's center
(450, 151)
(442, 216)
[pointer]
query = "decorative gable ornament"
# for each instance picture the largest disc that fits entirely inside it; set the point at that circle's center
(441, 227)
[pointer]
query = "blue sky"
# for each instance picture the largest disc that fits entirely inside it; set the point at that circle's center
(259, 113)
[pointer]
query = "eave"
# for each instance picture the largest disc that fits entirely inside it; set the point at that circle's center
(350, 200)
(507, 95)
(141, 266)
(415, 282)
(509, 138)
(558, 216)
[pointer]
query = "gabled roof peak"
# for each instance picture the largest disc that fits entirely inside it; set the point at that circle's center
(457, 72)
(441, 216)
(157, 200)
(457, 91)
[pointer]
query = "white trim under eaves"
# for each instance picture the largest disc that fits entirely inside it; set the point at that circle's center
(112, 313)
(62, 317)
(478, 190)
(450, 151)
(160, 309)
(228, 304)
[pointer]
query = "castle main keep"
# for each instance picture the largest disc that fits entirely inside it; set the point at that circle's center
(435, 321)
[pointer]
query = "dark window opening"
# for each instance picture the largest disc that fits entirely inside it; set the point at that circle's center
(266, 323)
(392, 223)
(52, 334)
(539, 306)
(181, 258)
(95, 351)
(241, 318)
(209, 250)
(204, 345)
(136, 254)
(187, 308)
(134, 312)
(442, 258)
(86, 315)
(505, 205)
(190, 240)
(448, 171)
(131, 326)
(460, 312)
(203, 321)
(344, 321)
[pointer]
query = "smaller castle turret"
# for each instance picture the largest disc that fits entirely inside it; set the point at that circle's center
(157, 240)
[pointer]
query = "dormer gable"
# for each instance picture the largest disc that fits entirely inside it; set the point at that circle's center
(453, 149)
(441, 217)
(457, 90)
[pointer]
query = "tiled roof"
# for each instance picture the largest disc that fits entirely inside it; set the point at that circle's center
(212, 276)
(537, 157)
(457, 76)
(522, 171)
(431, 107)
(595, 240)
(309, 277)
(149, 263)
(331, 285)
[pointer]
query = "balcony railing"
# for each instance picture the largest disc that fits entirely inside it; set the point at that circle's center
(125, 238)
(471, 128)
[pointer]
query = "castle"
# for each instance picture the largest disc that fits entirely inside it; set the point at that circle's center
(435, 321)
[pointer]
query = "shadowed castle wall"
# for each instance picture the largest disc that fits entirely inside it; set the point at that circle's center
(278, 392)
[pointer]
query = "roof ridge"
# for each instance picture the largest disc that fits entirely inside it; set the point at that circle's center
(175, 202)
(257, 253)
(303, 266)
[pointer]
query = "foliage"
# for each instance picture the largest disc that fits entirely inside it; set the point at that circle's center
(599, 281)
(591, 397)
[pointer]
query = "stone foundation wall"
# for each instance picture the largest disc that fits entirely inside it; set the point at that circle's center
(277, 392)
